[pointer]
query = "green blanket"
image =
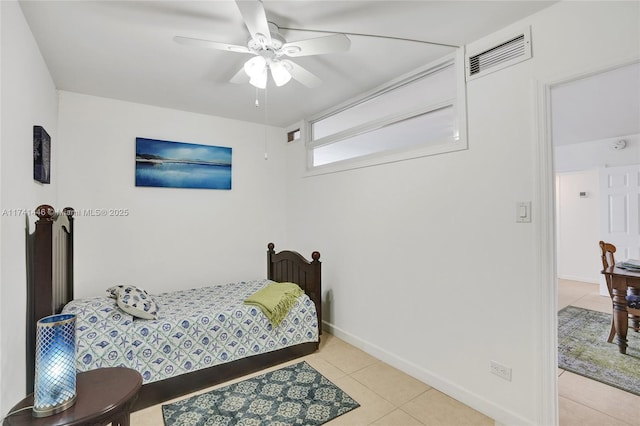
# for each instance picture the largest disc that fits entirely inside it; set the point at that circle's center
(275, 300)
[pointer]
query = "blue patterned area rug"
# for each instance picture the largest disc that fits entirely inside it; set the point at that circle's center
(583, 349)
(293, 395)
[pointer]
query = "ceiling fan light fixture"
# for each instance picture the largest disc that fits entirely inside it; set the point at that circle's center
(255, 66)
(259, 80)
(269, 46)
(280, 74)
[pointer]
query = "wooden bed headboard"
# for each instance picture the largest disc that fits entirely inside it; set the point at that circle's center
(290, 266)
(49, 272)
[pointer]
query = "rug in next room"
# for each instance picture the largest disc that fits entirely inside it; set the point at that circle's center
(583, 349)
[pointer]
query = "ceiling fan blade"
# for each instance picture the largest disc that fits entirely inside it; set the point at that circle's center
(210, 44)
(255, 19)
(240, 77)
(302, 75)
(317, 46)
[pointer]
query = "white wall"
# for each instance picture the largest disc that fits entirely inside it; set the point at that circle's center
(578, 226)
(171, 238)
(424, 264)
(28, 98)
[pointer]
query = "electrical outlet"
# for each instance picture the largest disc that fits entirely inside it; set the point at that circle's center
(500, 370)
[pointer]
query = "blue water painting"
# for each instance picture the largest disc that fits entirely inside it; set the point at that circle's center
(182, 165)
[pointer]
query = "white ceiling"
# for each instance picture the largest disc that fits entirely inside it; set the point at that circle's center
(596, 107)
(124, 49)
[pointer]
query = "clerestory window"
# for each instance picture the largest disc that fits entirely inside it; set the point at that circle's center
(422, 113)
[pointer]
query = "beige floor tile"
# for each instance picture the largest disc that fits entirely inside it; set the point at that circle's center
(390, 383)
(151, 416)
(573, 293)
(327, 339)
(325, 368)
(564, 301)
(397, 418)
(598, 396)
(574, 414)
(568, 297)
(346, 357)
(595, 302)
(572, 284)
(435, 408)
(372, 406)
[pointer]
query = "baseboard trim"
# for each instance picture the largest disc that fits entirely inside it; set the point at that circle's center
(577, 278)
(477, 402)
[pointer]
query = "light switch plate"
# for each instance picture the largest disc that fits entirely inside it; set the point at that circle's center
(523, 211)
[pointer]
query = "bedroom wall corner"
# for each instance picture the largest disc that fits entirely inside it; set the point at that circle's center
(166, 238)
(28, 98)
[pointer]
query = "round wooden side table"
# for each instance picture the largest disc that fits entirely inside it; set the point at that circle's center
(104, 396)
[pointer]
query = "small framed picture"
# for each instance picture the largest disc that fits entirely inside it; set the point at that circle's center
(41, 155)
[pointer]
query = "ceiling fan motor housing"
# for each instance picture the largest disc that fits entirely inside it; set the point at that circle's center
(260, 43)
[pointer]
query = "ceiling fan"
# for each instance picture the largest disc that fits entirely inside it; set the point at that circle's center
(270, 50)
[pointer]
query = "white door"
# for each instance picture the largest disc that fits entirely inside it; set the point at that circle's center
(620, 212)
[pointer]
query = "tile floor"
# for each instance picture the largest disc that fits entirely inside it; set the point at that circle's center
(390, 397)
(584, 402)
(386, 395)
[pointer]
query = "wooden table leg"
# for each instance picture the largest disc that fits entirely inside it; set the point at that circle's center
(620, 313)
(634, 320)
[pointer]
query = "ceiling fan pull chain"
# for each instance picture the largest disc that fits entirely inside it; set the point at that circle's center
(266, 117)
(257, 102)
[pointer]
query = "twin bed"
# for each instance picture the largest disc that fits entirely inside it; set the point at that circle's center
(201, 337)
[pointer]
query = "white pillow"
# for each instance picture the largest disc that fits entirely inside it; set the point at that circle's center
(113, 291)
(137, 302)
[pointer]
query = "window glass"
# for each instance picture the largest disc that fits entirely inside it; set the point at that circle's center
(414, 115)
(430, 89)
(433, 127)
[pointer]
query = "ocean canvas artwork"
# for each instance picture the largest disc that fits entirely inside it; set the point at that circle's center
(182, 165)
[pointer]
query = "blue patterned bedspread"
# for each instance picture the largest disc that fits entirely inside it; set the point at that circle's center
(195, 329)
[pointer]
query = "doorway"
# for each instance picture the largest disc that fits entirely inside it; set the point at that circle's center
(595, 130)
(584, 119)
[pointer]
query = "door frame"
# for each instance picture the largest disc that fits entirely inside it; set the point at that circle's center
(545, 241)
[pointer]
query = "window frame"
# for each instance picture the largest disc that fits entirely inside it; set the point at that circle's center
(459, 142)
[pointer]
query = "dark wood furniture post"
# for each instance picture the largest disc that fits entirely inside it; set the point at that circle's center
(39, 302)
(620, 313)
(316, 296)
(68, 285)
(46, 293)
(292, 266)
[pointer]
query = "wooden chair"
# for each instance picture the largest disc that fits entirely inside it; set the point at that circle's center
(633, 300)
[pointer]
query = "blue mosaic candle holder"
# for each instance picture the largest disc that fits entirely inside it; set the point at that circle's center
(55, 381)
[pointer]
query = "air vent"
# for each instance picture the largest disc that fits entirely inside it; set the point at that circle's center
(516, 48)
